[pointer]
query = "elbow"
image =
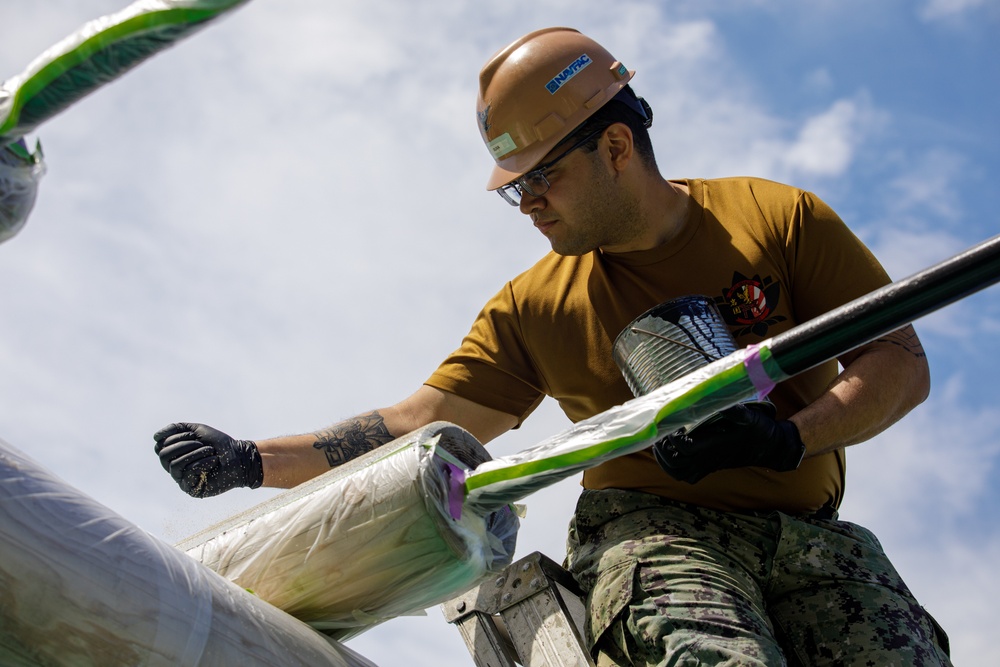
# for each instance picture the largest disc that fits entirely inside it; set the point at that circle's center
(909, 344)
(914, 371)
(922, 382)
(925, 383)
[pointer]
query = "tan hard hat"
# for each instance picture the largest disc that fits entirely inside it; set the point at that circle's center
(536, 91)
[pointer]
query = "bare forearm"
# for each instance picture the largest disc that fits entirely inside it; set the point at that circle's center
(880, 384)
(291, 460)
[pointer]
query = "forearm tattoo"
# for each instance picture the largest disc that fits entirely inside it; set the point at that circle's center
(905, 338)
(354, 437)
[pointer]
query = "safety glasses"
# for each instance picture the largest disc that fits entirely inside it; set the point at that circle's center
(534, 182)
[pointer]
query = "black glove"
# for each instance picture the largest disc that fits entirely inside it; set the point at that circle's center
(206, 462)
(738, 437)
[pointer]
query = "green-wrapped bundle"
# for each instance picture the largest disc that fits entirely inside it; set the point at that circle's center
(101, 50)
(624, 429)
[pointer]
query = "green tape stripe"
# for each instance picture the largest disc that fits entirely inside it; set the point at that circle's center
(19, 149)
(528, 468)
(710, 386)
(704, 389)
(771, 365)
(112, 36)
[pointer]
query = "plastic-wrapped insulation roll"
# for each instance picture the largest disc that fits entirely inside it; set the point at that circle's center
(82, 587)
(382, 536)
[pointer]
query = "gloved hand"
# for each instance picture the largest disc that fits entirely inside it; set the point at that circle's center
(740, 436)
(206, 462)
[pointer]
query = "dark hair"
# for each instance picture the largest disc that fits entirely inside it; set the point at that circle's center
(623, 108)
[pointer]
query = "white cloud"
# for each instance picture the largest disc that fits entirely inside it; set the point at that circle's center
(819, 81)
(675, 45)
(734, 135)
(918, 477)
(959, 585)
(928, 186)
(826, 143)
(942, 9)
(919, 486)
(903, 251)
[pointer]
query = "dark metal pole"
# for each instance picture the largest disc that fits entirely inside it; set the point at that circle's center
(887, 309)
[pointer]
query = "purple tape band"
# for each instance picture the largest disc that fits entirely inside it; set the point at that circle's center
(762, 382)
(456, 490)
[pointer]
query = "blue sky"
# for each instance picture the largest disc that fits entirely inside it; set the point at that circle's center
(281, 222)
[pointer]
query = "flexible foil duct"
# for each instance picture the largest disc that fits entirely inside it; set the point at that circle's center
(382, 536)
(82, 587)
(671, 340)
(98, 52)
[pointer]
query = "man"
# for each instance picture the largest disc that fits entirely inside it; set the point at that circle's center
(719, 546)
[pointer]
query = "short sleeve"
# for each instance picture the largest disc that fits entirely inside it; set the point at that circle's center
(492, 367)
(828, 265)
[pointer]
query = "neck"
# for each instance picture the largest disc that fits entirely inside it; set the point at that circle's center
(662, 209)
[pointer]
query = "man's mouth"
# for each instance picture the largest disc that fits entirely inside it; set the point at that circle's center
(544, 225)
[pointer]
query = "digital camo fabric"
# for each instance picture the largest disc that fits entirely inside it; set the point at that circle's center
(707, 587)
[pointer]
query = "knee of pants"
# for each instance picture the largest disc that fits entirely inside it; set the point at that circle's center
(637, 616)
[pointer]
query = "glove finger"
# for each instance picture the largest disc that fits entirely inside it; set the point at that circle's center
(689, 456)
(682, 471)
(696, 444)
(171, 449)
(667, 453)
(675, 443)
(662, 453)
(184, 436)
(178, 465)
(669, 457)
(739, 415)
(172, 429)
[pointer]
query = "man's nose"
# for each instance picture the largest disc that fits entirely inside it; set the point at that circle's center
(529, 203)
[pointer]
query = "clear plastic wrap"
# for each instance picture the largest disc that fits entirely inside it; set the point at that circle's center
(382, 536)
(627, 428)
(20, 172)
(82, 587)
(99, 51)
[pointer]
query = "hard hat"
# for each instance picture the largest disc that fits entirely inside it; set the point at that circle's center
(536, 91)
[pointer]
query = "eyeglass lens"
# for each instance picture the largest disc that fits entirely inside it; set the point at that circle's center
(534, 182)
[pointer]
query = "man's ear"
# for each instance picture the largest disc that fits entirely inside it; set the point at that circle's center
(621, 146)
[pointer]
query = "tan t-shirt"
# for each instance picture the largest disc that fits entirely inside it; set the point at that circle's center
(771, 256)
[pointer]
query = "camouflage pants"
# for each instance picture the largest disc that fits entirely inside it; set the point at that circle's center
(674, 584)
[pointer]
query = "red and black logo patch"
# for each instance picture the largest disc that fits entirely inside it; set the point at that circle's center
(750, 304)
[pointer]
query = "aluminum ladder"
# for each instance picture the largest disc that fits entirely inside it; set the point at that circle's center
(529, 614)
